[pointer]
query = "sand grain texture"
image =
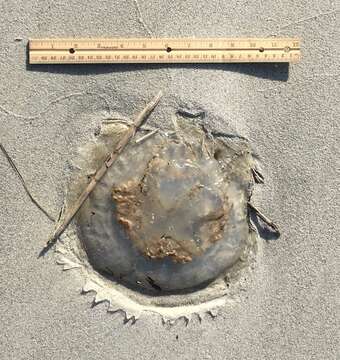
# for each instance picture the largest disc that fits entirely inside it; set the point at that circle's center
(47, 112)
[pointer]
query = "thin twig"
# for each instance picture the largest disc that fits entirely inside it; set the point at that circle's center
(264, 218)
(127, 123)
(143, 138)
(129, 134)
(13, 166)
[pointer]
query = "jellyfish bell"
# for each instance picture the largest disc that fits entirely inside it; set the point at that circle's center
(167, 220)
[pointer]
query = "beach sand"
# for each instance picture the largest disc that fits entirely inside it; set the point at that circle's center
(290, 116)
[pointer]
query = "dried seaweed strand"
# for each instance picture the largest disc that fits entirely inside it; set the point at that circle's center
(13, 166)
(258, 177)
(264, 218)
(102, 171)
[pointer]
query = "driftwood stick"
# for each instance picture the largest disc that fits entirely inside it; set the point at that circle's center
(141, 117)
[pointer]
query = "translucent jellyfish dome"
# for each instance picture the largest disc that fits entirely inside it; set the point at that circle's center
(170, 216)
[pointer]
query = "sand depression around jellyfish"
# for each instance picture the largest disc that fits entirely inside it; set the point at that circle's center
(167, 227)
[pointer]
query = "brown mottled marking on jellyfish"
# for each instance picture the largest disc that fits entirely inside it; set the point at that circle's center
(164, 246)
(128, 199)
(129, 215)
(212, 230)
(127, 204)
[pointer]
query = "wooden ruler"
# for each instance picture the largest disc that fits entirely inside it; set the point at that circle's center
(217, 50)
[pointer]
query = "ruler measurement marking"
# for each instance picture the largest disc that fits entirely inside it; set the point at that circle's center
(172, 49)
(70, 51)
